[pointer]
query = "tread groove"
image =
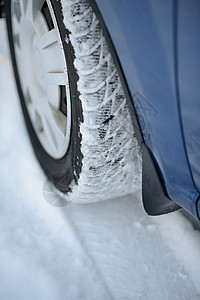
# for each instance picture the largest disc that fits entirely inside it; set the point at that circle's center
(111, 154)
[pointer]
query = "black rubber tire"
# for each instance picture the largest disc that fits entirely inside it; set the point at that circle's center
(103, 159)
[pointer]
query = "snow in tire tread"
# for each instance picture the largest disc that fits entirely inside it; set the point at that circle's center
(111, 155)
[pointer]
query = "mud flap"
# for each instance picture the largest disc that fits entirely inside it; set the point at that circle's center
(155, 199)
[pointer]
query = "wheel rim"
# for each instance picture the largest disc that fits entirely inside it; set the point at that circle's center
(43, 73)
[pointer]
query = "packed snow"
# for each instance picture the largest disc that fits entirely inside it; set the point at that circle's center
(108, 250)
(111, 154)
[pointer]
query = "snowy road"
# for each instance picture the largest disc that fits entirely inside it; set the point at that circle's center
(103, 251)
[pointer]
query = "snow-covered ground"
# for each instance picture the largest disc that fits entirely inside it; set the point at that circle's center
(109, 250)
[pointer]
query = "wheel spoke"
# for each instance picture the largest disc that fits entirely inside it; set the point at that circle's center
(28, 97)
(32, 112)
(16, 40)
(48, 133)
(32, 7)
(49, 38)
(56, 78)
(52, 127)
(31, 109)
(17, 9)
(53, 96)
(29, 9)
(22, 4)
(15, 23)
(40, 24)
(38, 121)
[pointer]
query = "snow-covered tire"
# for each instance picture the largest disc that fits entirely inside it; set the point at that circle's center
(103, 159)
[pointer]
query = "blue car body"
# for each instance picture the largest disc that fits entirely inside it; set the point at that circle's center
(158, 47)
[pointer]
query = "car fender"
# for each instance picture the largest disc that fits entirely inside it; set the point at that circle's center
(142, 34)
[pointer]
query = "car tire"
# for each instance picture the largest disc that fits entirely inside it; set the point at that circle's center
(101, 158)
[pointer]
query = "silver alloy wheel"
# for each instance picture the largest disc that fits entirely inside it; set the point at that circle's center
(43, 74)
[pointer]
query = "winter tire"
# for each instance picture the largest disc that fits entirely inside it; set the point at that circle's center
(72, 99)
